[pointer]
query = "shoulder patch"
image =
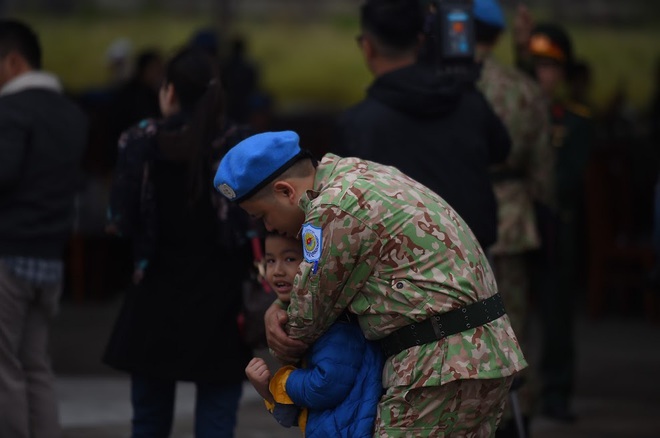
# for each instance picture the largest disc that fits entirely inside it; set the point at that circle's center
(311, 243)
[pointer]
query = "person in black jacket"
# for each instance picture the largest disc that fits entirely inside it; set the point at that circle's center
(179, 322)
(437, 129)
(42, 138)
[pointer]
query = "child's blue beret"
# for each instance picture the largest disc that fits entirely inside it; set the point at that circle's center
(255, 162)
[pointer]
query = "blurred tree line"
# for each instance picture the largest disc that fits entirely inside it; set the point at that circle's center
(222, 9)
(604, 12)
(598, 12)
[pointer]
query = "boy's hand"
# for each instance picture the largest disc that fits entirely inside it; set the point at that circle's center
(259, 375)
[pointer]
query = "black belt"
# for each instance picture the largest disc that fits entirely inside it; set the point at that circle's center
(445, 324)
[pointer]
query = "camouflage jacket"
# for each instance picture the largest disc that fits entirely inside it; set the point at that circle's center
(393, 252)
(528, 174)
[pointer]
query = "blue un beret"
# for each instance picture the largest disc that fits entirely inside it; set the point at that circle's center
(256, 161)
(489, 12)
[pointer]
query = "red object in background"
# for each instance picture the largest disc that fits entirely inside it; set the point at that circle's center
(557, 111)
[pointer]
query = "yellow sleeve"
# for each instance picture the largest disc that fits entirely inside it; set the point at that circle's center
(302, 420)
(277, 385)
(269, 406)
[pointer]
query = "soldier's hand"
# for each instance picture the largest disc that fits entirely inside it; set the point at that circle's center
(286, 349)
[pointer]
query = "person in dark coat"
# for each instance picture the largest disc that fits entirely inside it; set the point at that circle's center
(42, 138)
(179, 321)
(437, 129)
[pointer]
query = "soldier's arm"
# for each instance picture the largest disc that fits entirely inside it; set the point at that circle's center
(323, 289)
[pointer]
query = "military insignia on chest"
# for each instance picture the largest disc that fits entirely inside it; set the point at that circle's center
(311, 242)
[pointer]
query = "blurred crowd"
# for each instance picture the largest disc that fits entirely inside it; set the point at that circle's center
(130, 96)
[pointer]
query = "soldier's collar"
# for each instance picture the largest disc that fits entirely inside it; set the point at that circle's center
(324, 170)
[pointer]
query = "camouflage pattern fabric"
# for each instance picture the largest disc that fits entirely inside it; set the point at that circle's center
(394, 253)
(518, 101)
(513, 280)
(463, 408)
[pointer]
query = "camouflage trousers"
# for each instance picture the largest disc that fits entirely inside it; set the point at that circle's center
(469, 408)
(513, 276)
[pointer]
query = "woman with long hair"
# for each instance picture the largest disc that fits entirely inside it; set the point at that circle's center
(179, 318)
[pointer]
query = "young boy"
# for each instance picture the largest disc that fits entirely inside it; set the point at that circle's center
(337, 392)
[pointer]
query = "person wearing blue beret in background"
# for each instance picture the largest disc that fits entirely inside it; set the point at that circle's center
(524, 180)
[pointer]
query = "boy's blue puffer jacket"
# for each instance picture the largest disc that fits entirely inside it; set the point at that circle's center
(341, 384)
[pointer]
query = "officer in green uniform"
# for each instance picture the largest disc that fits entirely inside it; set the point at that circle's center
(525, 179)
(548, 56)
(392, 252)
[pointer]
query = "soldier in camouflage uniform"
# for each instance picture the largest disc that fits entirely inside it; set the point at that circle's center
(392, 252)
(524, 180)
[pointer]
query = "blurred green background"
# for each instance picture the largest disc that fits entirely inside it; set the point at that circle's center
(316, 62)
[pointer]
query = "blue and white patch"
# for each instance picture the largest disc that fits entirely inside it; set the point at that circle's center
(311, 242)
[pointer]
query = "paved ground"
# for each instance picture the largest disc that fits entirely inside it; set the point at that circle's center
(617, 393)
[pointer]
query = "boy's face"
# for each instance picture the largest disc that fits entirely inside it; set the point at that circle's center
(283, 255)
